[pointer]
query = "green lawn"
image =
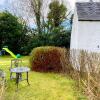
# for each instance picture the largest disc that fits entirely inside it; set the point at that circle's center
(43, 86)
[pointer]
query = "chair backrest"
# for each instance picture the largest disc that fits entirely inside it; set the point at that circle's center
(16, 63)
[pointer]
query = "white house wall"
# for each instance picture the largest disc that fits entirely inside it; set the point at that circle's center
(89, 35)
(74, 33)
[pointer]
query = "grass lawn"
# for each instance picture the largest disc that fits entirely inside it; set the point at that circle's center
(43, 86)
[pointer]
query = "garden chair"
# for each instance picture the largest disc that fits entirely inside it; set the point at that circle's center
(15, 63)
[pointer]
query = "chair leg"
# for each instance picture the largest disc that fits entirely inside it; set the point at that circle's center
(20, 76)
(10, 76)
(27, 79)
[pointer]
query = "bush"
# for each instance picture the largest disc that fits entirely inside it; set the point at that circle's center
(87, 72)
(47, 59)
(54, 39)
(61, 39)
(13, 32)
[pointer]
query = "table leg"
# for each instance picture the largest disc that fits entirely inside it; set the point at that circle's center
(27, 79)
(17, 79)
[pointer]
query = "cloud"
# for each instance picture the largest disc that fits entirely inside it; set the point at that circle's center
(72, 2)
(2, 2)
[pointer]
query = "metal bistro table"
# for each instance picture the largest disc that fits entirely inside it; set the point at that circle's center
(19, 71)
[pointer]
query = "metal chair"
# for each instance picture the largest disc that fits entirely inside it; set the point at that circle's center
(15, 63)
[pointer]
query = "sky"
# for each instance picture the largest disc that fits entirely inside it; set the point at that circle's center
(7, 4)
(72, 2)
(2, 2)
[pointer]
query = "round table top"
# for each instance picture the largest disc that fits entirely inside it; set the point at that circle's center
(20, 69)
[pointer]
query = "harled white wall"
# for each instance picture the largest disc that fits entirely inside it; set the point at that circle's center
(89, 35)
(74, 33)
(85, 35)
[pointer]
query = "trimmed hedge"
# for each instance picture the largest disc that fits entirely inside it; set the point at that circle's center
(47, 59)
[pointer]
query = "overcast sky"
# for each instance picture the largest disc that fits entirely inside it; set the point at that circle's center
(72, 2)
(8, 4)
(2, 2)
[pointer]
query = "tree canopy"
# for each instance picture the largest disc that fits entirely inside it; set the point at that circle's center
(12, 32)
(57, 13)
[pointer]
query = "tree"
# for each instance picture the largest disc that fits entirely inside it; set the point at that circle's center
(12, 32)
(57, 13)
(36, 5)
(51, 23)
(32, 10)
(56, 16)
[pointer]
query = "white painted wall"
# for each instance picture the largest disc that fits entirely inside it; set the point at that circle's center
(85, 35)
(89, 35)
(74, 33)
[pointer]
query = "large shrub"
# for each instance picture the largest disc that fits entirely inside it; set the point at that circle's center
(61, 39)
(13, 33)
(54, 39)
(47, 59)
(87, 72)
